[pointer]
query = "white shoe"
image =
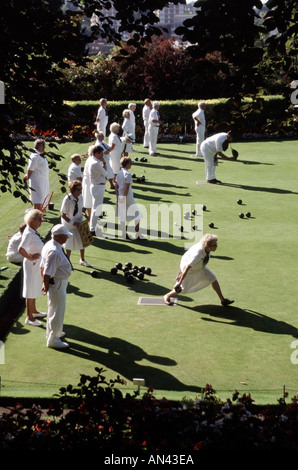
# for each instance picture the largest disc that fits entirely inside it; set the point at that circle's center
(32, 323)
(85, 263)
(57, 344)
(39, 315)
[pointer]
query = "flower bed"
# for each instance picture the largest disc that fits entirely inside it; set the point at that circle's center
(96, 416)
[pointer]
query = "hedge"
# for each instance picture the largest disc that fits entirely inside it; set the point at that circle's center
(253, 118)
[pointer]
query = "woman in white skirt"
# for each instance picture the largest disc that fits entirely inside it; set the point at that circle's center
(116, 146)
(71, 218)
(30, 248)
(127, 208)
(128, 132)
(194, 274)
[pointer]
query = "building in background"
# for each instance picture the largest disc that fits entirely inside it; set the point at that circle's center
(170, 18)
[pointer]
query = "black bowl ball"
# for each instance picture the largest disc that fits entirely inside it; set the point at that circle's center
(114, 270)
(128, 265)
(119, 265)
(142, 269)
(239, 201)
(140, 276)
(211, 225)
(241, 215)
(93, 273)
(248, 214)
(148, 271)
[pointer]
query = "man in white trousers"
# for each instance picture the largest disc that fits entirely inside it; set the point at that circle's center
(211, 148)
(200, 126)
(102, 116)
(154, 123)
(55, 271)
(98, 178)
(145, 114)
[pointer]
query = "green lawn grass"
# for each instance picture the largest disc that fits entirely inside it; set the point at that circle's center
(177, 350)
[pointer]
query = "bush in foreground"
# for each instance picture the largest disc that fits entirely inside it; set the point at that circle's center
(96, 416)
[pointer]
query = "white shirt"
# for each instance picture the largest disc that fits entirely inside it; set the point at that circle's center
(200, 115)
(213, 144)
(154, 116)
(31, 241)
(146, 112)
(12, 253)
(128, 128)
(102, 118)
(74, 172)
(97, 172)
(54, 262)
(68, 206)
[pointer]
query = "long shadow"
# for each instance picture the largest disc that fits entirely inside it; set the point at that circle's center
(259, 188)
(235, 316)
(164, 167)
(121, 356)
(253, 162)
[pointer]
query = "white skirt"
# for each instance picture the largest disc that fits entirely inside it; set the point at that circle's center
(197, 280)
(32, 281)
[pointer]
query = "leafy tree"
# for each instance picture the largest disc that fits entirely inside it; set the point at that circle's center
(38, 39)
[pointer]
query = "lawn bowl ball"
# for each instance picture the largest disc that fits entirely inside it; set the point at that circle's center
(142, 269)
(194, 212)
(140, 276)
(142, 159)
(248, 214)
(195, 227)
(114, 270)
(133, 175)
(186, 215)
(93, 273)
(239, 201)
(128, 265)
(241, 215)
(136, 159)
(211, 225)
(134, 272)
(148, 271)
(181, 228)
(142, 179)
(129, 278)
(204, 208)
(119, 265)
(125, 269)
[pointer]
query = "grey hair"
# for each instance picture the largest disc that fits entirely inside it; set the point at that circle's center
(32, 215)
(114, 125)
(38, 143)
(208, 239)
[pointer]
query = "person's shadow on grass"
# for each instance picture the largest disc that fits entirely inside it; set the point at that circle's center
(246, 318)
(122, 357)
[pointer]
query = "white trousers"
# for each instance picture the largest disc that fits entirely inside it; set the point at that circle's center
(97, 192)
(209, 163)
(200, 131)
(146, 134)
(56, 309)
(153, 134)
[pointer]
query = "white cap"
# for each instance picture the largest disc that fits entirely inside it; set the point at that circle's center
(59, 229)
(156, 103)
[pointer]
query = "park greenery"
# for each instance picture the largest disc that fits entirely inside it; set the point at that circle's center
(232, 49)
